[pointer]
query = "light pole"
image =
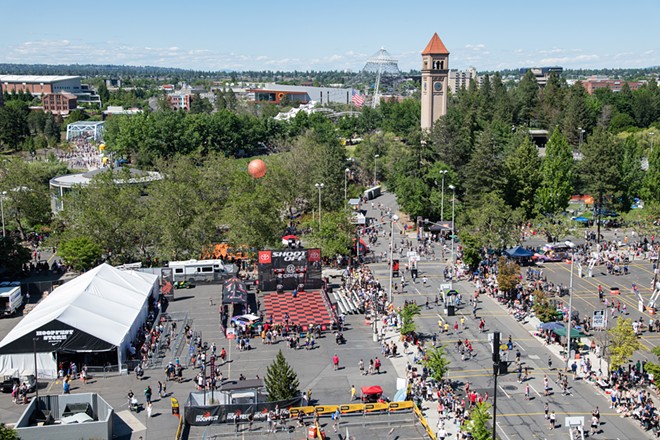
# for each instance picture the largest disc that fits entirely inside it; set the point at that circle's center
(319, 186)
(376, 156)
(346, 171)
(570, 312)
(442, 200)
(393, 220)
(2, 208)
(453, 200)
(581, 131)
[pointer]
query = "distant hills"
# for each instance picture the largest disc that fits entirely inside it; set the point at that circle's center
(119, 71)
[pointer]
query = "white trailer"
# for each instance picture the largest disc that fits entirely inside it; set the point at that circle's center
(198, 270)
(11, 297)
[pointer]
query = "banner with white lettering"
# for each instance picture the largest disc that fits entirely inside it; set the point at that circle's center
(288, 269)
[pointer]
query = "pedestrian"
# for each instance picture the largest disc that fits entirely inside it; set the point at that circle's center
(553, 419)
(549, 363)
(462, 323)
(527, 392)
(377, 365)
(147, 394)
(251, 421)
(546, 386)
(160, 389)
(335, 419)
(353, 392)
(335, 361)
(546, 409)
(361, 367)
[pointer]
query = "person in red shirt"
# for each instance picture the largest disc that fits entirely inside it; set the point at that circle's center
(335, 361)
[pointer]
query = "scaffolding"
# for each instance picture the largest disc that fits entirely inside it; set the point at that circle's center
(91, 130)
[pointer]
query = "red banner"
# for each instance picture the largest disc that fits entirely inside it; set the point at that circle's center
(265, 257)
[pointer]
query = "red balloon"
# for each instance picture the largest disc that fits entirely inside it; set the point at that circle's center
(257, 168)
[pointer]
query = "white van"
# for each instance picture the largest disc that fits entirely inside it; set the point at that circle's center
(198, 270)
(11, 297)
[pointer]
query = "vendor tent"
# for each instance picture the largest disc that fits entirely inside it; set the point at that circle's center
(519, 252)
(234, 291)
(441, 227)
(575, 333)
(99, 311)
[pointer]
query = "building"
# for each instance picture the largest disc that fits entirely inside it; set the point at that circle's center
(277, 94)
(119, 110)
(179, 101)
(461, 79)
(614, 85)
(61, 185)
(435, 72)
(542, 74)
(39, 85)
(59, 103)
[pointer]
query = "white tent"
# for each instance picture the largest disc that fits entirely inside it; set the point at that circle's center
(101, 310)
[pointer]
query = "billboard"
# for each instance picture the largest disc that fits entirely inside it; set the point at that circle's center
(289, 268)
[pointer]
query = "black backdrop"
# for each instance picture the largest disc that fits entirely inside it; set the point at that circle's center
(289, 268)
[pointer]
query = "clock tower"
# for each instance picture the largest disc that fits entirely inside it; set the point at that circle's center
(435, 73)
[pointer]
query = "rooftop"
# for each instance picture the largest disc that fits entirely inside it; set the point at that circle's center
(435, 47)
(35, 78)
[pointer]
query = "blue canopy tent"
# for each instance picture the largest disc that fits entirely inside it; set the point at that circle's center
(519, 252)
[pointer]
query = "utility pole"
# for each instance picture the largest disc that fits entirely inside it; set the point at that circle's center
(495, 337)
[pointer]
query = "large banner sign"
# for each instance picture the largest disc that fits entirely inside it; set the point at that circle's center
(289, 268)
(207, 415)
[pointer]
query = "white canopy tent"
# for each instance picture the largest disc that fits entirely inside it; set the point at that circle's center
(99, 311)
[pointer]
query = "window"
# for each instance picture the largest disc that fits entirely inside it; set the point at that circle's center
(178, 270)
(207, 269)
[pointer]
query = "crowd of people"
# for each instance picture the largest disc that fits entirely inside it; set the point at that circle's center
(83, 154)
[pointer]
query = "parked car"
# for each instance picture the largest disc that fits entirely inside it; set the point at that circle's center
(9, 381)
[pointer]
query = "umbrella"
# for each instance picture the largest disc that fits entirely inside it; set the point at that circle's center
(552, 325)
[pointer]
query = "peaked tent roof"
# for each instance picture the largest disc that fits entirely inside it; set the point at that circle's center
(103, 302)
(519, 252)
(435, 47)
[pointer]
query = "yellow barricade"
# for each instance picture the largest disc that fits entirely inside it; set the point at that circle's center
(326, 409)
(396, 406)
(376, 407)
(424, 423)
(353, 407)
(304, 409)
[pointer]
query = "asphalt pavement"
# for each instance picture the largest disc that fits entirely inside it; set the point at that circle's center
(517, 418)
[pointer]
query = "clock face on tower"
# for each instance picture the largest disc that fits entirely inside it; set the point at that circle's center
(437, 86)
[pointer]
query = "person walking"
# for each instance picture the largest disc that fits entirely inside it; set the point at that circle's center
(335, 361)
(553, 420)
(527, 392)
(353, 393)
(546, 386)
(160, 389)
(147, 394)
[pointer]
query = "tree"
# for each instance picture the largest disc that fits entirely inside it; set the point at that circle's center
(200, 105)
(82, 253)
(14, 128)
(542, 307)
(103, 93)
(475, 424)
(13, 255)
(336, 234)
(526, 98)
(577, 113)
(484, 172)
(437, 362)
(557, 171)
(600, 167)
(623, 344)
(7, 433)
(408, 314)
(492, 222)
(508, 275)
(523, 176)
(281, 381)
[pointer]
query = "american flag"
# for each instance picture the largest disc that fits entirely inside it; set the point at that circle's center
(358, 100)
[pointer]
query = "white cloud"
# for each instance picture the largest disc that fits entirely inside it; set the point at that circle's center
(475, 47)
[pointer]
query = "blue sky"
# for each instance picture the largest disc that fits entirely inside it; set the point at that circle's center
(332, 35)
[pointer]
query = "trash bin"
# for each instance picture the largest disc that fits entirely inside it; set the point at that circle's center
(451, 310)
(504, 367)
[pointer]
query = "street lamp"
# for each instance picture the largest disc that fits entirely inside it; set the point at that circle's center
(453, 200)
(346, 171)
(442, 202)
(319, 186)
(2, 208)
(581, 131)
(376, 156)
(570, 312)
(393, 220)
(652, 133)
